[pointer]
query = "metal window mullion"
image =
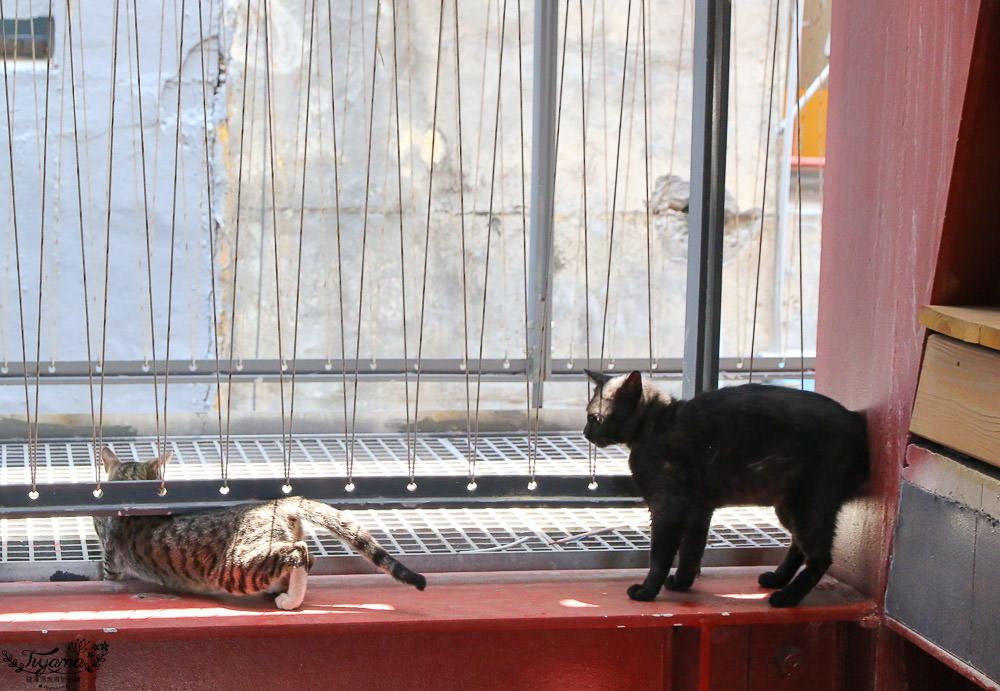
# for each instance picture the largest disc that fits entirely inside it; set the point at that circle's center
(708, 187)
(543, 169)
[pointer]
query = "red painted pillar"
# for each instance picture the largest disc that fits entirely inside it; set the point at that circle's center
(899, 73)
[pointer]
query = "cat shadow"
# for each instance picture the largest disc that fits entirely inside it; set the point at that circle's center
(359, 608)
(261, 603)
(154, 596)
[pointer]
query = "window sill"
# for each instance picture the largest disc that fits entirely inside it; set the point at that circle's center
(726, 596)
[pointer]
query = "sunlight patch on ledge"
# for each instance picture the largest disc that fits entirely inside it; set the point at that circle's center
(576, 603)
(182, 613)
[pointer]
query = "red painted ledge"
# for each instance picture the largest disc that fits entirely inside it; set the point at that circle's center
(942, 655)
(452, 602)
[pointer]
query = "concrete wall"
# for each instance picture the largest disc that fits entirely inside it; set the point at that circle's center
(111, 204)
(265, 202)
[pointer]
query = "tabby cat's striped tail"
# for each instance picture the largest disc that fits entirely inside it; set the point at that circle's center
(360, 539)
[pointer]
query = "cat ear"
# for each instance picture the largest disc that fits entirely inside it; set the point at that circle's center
(632, 386)
(109, 458)
(158, 463)
(598, 378)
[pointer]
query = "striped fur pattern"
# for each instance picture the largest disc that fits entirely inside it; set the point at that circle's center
(243, 549)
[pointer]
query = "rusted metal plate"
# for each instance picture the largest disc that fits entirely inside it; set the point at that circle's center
(931, 576)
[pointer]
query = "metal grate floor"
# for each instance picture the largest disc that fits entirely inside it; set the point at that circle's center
(438, 540)
(428, 539)
(435, 531)
(198, 458)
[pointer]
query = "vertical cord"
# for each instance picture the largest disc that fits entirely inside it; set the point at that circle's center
(286, 488)
(96, 459)
(540, 372)
(148, 233)
(173, 233)
(591, 449)
(465, 277)
(223, 461)
(765, 106)
(412, 453)
(614, 187)
(763, 201)
(734, 170)
(614, 311)
(260, 57)
(677, 85)
(150, 222)
(54, 278)
(475, 204)
(798, 176)
(532, 434)
(107, 226)
(364, 244)
(340, 266)
(298, 270)
(533, 424)
(236, 256)
(33, 442)
(489, 230)
(646, 145)
(17, 244)
(402, 254)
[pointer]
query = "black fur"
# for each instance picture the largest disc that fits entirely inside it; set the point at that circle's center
(798, 451)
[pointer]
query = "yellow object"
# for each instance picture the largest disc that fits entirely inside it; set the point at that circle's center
(813, 122)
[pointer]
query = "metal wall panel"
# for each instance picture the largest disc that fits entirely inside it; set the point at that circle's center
(944, 576)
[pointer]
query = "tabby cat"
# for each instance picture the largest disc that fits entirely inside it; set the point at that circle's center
(243, 549)
(798, 451)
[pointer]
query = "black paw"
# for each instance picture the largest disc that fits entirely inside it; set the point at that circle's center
(771, 579)
(782, 598)
(677, 583)
(641, 593)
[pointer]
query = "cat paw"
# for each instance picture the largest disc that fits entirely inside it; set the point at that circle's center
(676, 583)
(781, 598)
(287, 601)
(770, 579)
(641, 593)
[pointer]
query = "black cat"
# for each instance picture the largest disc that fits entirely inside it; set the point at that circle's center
(798, 451)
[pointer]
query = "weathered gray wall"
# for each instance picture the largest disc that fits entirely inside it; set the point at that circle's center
(63, 324)
(272, 153)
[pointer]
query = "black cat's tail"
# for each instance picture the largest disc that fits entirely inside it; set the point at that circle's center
(360, 539)
(857, 474)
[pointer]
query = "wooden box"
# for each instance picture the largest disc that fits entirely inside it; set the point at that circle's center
(958, 395)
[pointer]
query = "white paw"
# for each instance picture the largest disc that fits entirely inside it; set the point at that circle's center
(287, 601)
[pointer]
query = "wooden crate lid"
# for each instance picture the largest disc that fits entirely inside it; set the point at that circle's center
(979, 325)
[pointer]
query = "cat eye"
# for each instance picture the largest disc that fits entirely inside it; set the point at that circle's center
(596, 419)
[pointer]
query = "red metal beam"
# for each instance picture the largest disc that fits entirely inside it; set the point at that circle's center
(942, 655)
(357, 604)
(487, 630)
